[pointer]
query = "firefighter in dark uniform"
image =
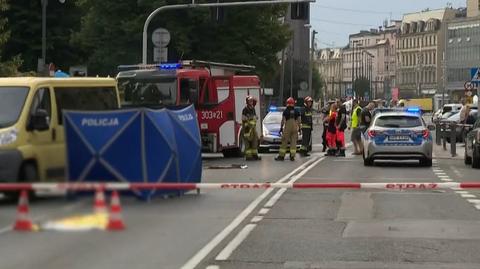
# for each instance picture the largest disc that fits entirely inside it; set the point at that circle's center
(307, 127)
(289, 128)
(249, 124)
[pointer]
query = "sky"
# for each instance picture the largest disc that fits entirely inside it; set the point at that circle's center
(334, 20)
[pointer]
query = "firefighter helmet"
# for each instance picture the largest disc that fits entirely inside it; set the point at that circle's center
(251, 98)
(307, 99)
(290, 101)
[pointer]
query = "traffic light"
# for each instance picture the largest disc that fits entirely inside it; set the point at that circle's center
(300, 11)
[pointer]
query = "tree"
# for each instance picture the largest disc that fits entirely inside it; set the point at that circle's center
(10, 67)
(26, 33)
(111, 34)
(362, 86)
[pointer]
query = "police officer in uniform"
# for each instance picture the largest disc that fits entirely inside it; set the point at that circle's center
(289, 128)
(249, 123)
(307, 126)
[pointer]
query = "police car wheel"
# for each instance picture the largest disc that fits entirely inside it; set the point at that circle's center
(367, 161)
(426, 162)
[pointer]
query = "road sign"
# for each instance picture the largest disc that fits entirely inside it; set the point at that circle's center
(349, 92)
(161, 37)
(468, 86)
(160, 55)
(475, 72)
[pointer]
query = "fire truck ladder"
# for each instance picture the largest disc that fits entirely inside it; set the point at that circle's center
(225, 66)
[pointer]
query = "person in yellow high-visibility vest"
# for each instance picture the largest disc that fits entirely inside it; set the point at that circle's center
(249, 124)
(290, 126)
(354, 126)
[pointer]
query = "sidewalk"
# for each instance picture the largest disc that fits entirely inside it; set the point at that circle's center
(440, 153)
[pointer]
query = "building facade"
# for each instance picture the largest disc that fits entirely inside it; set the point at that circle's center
(372, 55)
(330, 67)
(420, 51)
(473, 8)
(463, 53)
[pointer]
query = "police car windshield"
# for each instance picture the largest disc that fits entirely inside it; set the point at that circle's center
(400, 121)
(273, 118)
(12, 100)
(148, 91)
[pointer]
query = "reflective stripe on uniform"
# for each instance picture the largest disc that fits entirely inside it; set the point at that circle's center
(306, 126)
(282, 152)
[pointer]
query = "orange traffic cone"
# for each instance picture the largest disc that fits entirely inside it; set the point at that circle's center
(99, 205)
(23, 222)
(115, 222)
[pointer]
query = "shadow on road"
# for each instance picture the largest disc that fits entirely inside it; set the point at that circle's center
(396, 164)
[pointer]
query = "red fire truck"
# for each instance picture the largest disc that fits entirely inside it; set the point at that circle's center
(217, 90)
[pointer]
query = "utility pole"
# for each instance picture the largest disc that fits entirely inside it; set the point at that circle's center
(282, 78)
(310, 70)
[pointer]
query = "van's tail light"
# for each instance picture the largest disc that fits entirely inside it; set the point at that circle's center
(371, 133)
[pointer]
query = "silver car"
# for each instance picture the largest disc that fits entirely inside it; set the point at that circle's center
(398, 135)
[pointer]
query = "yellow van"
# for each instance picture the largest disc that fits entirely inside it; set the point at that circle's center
(32, 144)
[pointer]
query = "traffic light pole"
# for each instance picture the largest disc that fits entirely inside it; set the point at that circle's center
(193, 5)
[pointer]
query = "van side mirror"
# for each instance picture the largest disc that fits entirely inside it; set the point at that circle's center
(39, 120)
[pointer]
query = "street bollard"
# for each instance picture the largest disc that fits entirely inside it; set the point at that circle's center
(438, 133)
(453, 139)
(444, 136)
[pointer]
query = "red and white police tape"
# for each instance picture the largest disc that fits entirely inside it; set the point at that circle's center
(84, 186)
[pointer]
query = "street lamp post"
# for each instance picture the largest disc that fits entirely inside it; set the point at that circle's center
(354, 68)
(310, 69)
(44, 33)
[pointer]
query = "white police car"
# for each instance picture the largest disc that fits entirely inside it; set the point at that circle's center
(398, 135)
(272, 138)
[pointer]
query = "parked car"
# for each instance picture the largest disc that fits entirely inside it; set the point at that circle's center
(271, 130)
(472, 146)
(398, 135)
(460, 130)
(448, 108)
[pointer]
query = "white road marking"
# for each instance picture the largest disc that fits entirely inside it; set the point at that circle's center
(202, 253)
(275, 198)
(462, 192)
(242, 235)
(477, 207)
(446, 179)
(228, 250)
(263, 211)
(444, 176)
(437, 170)
(213, 267)
(457, 189)
(474, 201)
(257, 219)
(440, 173)
(6, 229)
(468, 196)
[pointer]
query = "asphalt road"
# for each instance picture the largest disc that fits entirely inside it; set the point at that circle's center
(270, 229)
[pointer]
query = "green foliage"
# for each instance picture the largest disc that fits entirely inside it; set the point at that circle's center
(362, 86)
(25, 17)
(111, 34)
(107, 33)
(10, 67)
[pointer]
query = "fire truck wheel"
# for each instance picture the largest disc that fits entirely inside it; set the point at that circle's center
(232, 153)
